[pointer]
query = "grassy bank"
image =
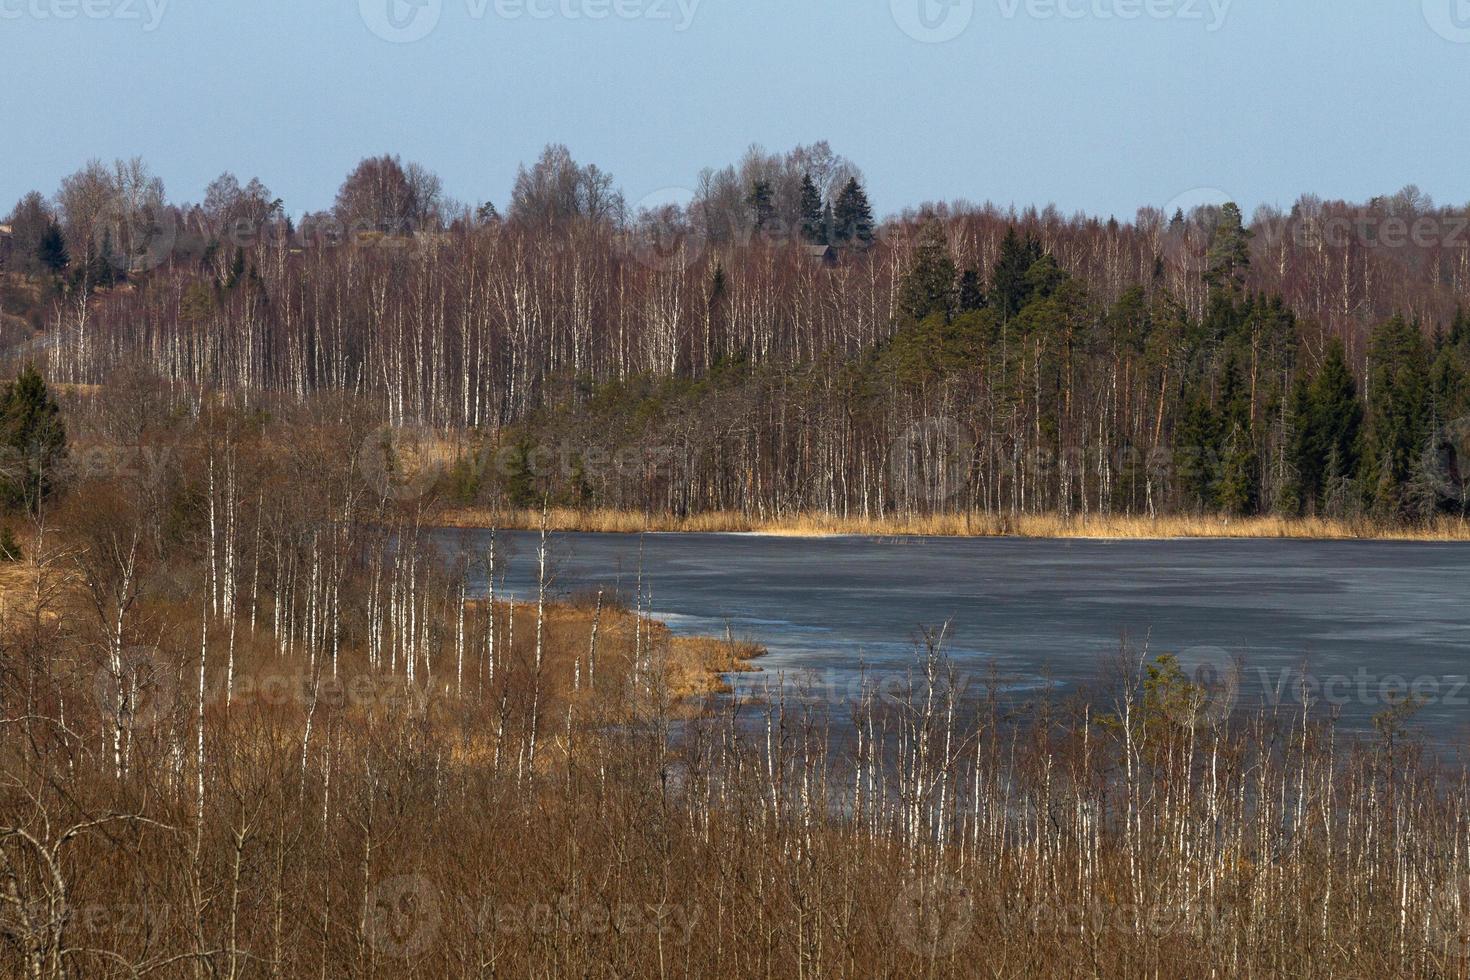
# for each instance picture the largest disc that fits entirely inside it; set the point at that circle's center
(962, 525)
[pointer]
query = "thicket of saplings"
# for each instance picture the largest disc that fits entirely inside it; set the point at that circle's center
(255, 724)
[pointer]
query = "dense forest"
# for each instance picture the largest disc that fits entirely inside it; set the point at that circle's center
(768, 346)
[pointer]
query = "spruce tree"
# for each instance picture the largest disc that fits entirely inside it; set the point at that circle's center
(813, 218)
(1239, 490)
(237, 270)
(1335, 419)
(1197, 453)
(33, 441)
(1044, 278)
(852, 218)
(1450, 394)
(928, 286)
(1229, 256)
(972, 294)
(1303, 461)
(762, 203)
(51, 249)
(1010, 289)
(1399, 419)
(1426, 490)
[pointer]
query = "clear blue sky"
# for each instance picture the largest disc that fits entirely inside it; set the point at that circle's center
(1027, 104)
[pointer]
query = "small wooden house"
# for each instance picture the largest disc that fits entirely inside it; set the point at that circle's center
(825, 254)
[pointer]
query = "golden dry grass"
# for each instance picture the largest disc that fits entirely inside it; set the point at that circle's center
(693, 666)
(964, 525)
(697, 665)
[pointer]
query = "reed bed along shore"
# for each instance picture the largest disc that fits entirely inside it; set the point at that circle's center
(517, 814)
(1102, 527)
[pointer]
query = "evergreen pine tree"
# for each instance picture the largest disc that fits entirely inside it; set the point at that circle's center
(762, 203)
(813, 219)
(1334, 421)
(33, 441)
(1399, 419)
(1010, 288)
(1044, 278)
(1304, 484)
(1460, 327)
(1451, 396)
(1229, 256)
(972, 294)
(1239, 490)
(51, 250)
(1425, 490)
(928, 286)
(852, 218)
(1197, 453)
(237, 270)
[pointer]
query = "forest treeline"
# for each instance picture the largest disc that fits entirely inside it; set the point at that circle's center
(765, 345)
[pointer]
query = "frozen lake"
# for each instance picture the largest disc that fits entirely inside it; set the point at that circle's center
(1371, 621)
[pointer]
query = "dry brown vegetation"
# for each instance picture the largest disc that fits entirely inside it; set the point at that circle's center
(964, 525)
(249, 733)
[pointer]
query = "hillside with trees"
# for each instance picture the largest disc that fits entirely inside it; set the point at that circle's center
(769, 347)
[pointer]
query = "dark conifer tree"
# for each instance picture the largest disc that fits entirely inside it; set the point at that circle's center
(1333, 424)
(32, 439)
(813, 217)
(51, 250)
(1197, 453)
(928, 287)
(852, 218)
(762, 203)
(1229, 256)
(971, 294)
(1010, 290)
(1238, 487)
(1399, 417)
(1239, 490)
(1304, 479)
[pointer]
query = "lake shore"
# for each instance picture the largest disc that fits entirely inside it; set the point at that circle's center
(957, 525)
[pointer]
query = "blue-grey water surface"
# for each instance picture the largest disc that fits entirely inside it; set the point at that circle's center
(1372, 621)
